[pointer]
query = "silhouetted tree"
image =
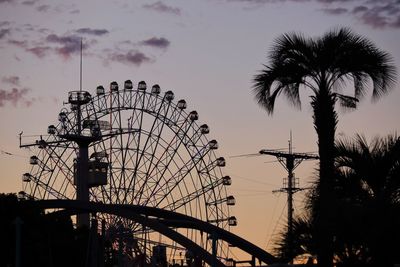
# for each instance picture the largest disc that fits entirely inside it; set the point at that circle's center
(367, 190)
(370, 184)
(46, 240)
(322, 65)
(302, 242)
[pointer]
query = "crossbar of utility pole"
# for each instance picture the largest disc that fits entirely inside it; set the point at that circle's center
(289, 161)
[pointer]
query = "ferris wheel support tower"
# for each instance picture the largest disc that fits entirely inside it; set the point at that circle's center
(77, 99)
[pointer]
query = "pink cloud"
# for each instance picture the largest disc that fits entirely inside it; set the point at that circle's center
(69, 44)
(156, 42)
(13, 80)
(43, 8)
(131, 57)
(163, 8)
(89, 31)
(15, 96)
(4, 32)
(335, 11)
(39, 51)
(374, 13)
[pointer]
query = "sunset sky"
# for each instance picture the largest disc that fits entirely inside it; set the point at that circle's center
(207, 52)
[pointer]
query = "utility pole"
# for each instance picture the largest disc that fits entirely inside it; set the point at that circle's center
(289, 161)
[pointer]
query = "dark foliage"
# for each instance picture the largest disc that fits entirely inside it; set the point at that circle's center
(45, 240)
(367, 211)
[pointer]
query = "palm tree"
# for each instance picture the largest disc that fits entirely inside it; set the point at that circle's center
(373, 170)
(302, 243)
(323, 65)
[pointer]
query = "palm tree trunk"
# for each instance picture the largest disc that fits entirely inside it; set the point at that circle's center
(325, 121)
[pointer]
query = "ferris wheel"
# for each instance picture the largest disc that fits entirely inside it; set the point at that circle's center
(142, 148)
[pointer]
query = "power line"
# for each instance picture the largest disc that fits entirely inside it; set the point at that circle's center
(289, 161)
(276, 225)
(253, 180)
(272, 216)
(3, 152)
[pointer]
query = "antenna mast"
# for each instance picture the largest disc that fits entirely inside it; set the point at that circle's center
(80, 75)
(289, 161)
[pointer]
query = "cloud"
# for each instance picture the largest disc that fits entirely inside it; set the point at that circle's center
(15, 96)
(62, 7)
(42, 42)
(359, 9)
(97, 32)
(131, 57)
(332, 1)
(21, 44)
(261, 2)
(4, 32)
(163, 8)
(29, 2)
(39, 51)
(68, 44)
(380, 14)
(6, 1)
(13, 80)
(4, 23)
(374, 13)
(334, 11)
(43, 8)
(374, 19)
(156, 42)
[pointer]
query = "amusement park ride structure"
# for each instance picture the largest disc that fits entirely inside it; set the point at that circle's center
(144, 150)
(147, 154)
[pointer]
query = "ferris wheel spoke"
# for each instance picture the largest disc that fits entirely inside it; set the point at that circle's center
(155, 131)
(125, 165)
(64, 183)
(167, 156)
(48, 189)
(138, 143)
(192, 196)
(116, 172)
(62, 164)
(160, 168)
(125, 157)
(112, 108)
(129, 161)
(47, 168)
(197, 158)
(176, 114)
(130, 154)
(178, 176)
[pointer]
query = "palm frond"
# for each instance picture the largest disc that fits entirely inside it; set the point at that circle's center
(347, 101)
(272, 81)
(350, 54)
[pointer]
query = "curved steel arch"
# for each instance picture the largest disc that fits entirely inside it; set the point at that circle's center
(164, 220)
(81, 206)
(178, 220)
